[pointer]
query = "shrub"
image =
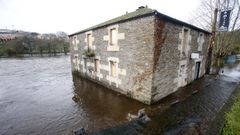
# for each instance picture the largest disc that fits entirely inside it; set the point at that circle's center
(89, 53)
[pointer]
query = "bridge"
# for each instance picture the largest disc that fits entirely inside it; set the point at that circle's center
(6, 37)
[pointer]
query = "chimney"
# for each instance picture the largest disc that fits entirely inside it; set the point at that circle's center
(141, 7)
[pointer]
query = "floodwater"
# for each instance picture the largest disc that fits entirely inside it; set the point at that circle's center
(196, 108)
(36, 97)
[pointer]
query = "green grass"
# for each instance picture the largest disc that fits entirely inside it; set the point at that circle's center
(232, 125)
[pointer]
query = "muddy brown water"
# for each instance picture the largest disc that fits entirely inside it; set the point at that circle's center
(36, 98)
(198, 105)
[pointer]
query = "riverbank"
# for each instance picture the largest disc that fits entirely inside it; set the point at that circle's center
(35, 55)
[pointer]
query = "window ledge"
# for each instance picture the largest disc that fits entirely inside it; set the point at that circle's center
(113, 79)
(113, 48)
(92, 48)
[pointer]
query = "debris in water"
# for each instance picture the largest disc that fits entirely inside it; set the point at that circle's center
(140, 116)
(80, 131)
(194, 92)
(141, 113)
(208, 84)
(131, 117)
(175, 102)
(75, 98)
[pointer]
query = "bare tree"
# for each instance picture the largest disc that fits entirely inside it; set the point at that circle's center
(221, 43)
(203, 16)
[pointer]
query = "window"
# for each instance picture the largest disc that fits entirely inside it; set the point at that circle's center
(75, 43)
(113, 36)
(84, 64)
(200, 41)
(182, 67)
(75, 59)
(89, 40)
(76, 63)
(185, 40)
(113, 68)
(97, 65)
(182, 75)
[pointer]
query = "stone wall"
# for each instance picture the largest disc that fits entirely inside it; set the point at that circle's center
(133, 55)
(169, 73)
(151, 55)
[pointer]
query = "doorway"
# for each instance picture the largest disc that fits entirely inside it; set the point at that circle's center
(182, 75)
(197, 70)
(84, 64)
(76, 63)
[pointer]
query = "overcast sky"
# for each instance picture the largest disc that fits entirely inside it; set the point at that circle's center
(50, 16)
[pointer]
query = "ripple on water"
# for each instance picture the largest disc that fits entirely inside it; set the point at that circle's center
(41, 91)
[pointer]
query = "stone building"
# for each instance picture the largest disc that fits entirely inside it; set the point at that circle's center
(144, 54)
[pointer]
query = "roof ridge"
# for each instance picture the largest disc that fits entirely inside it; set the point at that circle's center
(133, 14)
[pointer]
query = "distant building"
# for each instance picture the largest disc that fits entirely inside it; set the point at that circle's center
(144, 54)
(6, 37)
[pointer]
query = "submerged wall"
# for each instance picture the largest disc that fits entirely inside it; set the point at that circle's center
(133, 57)
(150, 59)
(174, 67)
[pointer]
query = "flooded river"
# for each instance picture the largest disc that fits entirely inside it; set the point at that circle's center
(197, 106)
(36, 98)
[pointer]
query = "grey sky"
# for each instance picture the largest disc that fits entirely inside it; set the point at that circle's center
(46, 16)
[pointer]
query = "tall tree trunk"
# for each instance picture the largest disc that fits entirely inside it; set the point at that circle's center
(218, 63)
(212, 42)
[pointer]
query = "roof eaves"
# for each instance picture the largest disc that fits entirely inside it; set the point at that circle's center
(153, 12)
(168, 18)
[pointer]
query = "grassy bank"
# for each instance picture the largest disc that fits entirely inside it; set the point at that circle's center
(232, 125)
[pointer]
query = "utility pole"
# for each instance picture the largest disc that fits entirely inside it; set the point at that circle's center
(212, 42)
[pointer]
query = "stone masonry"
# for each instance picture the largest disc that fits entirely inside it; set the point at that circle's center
(167, 77)
(150, 58)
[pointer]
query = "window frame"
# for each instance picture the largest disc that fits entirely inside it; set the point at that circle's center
(75, 46)
(200, 39)
(97, 65)
(185, 40)
(113, 36)
(113, 68)
(89, 40)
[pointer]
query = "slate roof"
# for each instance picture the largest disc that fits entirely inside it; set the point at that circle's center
(139, 13)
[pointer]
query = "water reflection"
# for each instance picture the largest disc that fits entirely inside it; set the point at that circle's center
(36, 98)
(232, 70)
(194, 112)
(103, 106)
